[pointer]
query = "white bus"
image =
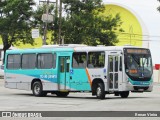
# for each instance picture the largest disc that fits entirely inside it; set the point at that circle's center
(61, 69)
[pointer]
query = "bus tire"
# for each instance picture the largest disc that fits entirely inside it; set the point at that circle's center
(37, 89)
(62, 94)
(124, 94)
(100, 91)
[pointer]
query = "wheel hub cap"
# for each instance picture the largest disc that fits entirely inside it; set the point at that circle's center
(37, 89)
(98, 91)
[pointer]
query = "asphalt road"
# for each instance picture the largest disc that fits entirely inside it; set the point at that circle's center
(19, 100)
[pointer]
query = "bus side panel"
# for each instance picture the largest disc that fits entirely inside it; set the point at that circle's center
(21, 79)
(48, 78)
(80, 80)
(17, 81)
(9, 83)
(99, 74)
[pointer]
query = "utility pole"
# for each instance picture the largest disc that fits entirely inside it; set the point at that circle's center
(60, 22)
(56, 12)
(45, 29)
(46, 18)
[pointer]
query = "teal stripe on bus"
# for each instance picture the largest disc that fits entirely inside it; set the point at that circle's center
(142, 83)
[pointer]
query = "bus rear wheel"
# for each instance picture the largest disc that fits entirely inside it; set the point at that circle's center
(37, 89)
(124, 94)
(62, 94)
(100, 91)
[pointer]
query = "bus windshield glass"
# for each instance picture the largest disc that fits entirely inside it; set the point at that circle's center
(138, 64)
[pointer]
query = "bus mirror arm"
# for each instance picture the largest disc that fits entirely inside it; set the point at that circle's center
(70, 77)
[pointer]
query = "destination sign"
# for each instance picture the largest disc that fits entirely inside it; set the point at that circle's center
(138, 51)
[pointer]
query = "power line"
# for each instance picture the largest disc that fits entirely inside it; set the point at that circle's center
(138, 34)
(133, 39)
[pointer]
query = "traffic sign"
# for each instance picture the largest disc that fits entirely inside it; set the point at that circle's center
(35, 33)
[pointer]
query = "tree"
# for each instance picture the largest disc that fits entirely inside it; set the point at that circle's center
(85, 24)
(16, 22)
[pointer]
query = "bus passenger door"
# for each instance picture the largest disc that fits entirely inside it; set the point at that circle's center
(64, 75)
(115, 74)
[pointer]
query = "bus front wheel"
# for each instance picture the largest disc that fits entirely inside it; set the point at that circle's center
(37, 89)
(124, 94)
(100, 91)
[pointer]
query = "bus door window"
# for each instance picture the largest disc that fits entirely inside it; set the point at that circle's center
(120, 64)
(110, 63)
(68, 64)
(62, 65)
(116, 63)
(116, 80)
(116, 72)
(111, 81)
(111, 72)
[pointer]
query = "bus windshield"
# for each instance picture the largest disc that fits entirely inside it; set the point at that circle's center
(138, 66)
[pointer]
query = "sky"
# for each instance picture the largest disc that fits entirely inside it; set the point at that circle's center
(147, 11)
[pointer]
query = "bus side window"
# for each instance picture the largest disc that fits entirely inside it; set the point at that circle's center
(79, 59)
(54, 60)
(96, 59)
(45, 61)
(14, 61)
(29, 61)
